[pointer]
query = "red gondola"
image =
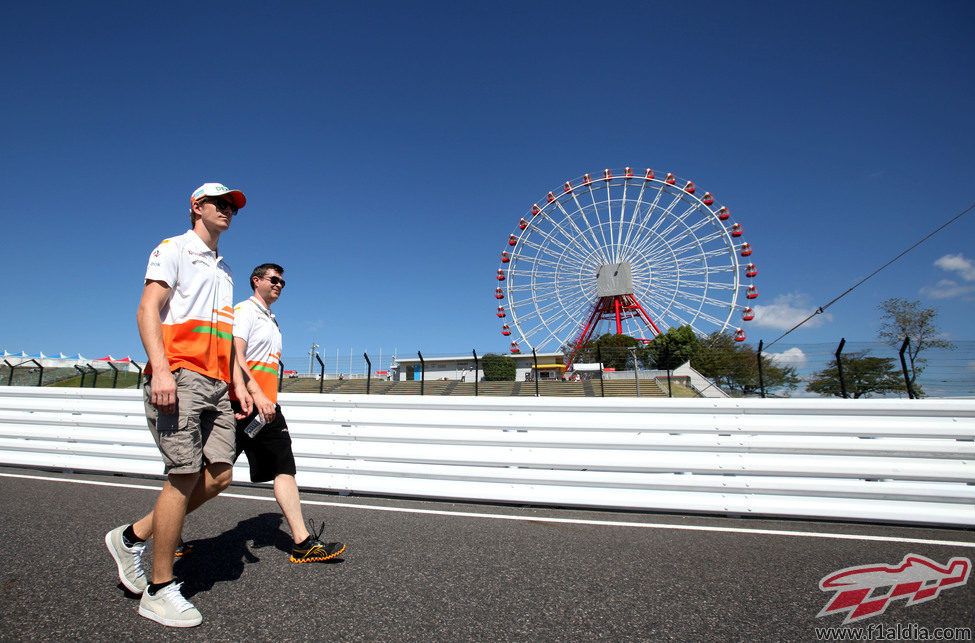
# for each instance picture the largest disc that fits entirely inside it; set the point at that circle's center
(550, 197)
(751, 292)
(723, 213)
(628, 174)
(501, 312)
(746, 249)
(670, 178)
(586, 179)
(739, 335)
(505, 258)
(568, 186)
(500, 274)
(747, 314)
(523, 224)
(514, 347)
(751, 270)
(707, 199)
(536, 210)
(607, 175)
(648, 175)
(737, 230)
(512, 239)
(690, 187)
(498, 293)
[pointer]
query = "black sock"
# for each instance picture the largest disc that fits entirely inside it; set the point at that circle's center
(129, 538)
(155, 587)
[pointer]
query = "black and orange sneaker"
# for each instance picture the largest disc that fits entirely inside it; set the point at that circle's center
(313, 550)
(182, 549)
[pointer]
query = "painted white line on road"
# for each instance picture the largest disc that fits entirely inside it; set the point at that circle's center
(571, 521)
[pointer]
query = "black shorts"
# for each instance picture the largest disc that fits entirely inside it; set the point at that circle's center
(269, 452)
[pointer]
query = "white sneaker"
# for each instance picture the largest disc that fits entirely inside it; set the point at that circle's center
(128, 559)
(169, 607)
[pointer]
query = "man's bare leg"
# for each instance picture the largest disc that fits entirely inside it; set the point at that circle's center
(215, 478)
(286, 493)
(167, 522)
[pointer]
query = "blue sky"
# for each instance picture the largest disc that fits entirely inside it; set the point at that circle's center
(387, 151)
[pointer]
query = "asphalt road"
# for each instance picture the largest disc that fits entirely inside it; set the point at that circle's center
(444, 571)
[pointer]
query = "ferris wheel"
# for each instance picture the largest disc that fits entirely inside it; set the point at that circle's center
(623, 253)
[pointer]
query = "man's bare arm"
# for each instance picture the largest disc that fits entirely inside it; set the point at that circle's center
(163, 387)
(264, 405)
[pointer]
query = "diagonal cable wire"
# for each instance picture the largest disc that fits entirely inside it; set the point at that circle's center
(822, 309)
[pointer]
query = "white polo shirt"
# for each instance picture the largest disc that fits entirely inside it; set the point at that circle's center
(256, 325)
(198, 318)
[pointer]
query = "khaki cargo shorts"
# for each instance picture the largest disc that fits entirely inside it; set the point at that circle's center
(202, 429)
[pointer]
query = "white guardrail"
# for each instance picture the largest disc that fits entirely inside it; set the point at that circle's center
(905, 461)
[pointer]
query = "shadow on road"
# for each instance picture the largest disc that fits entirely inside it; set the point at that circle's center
(223, 557)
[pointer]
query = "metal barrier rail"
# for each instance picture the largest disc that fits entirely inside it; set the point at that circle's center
(906, 461)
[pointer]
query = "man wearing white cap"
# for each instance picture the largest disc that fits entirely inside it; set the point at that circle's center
(186, 320)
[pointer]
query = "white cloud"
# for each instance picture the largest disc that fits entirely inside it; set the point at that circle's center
(786, 311)
(946, 288)
(791, 357)
(963, 268)
(957, 263)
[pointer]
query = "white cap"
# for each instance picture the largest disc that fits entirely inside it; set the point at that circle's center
(218, 189)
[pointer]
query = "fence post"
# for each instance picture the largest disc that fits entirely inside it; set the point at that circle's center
(80, 370)
(138, 381)
(114, 375)
(839, 366)
(321, 377)
(280, 375)
(368, 372)
(761, 379)
(907, 380)
(94, 377)
(599, 356)
(535, 374)
(476, 376)
(10, 378)
(423, 372)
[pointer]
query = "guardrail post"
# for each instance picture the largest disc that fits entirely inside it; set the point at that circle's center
(321, 377)
(368, 372)
(839, 366)
(761, 379)
(907, 380)
(114, 375)
(599, 356)
(476, 374)
(535, 359)
(423, 372)
(138, 381)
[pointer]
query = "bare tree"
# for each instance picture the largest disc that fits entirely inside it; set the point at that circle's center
(904, 318)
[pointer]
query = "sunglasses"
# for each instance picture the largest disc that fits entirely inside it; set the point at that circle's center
(222, 204)
(275, 281)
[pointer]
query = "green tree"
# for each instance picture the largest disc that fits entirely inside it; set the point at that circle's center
(734, 366)
(498, 368)
(669, 350)
(863, 375)
(902, 318)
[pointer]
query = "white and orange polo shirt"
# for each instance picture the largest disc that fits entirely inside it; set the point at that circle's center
(256, 325)
(198, 318)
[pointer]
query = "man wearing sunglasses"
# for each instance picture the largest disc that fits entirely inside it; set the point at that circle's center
(185, 320)
(257, 345)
